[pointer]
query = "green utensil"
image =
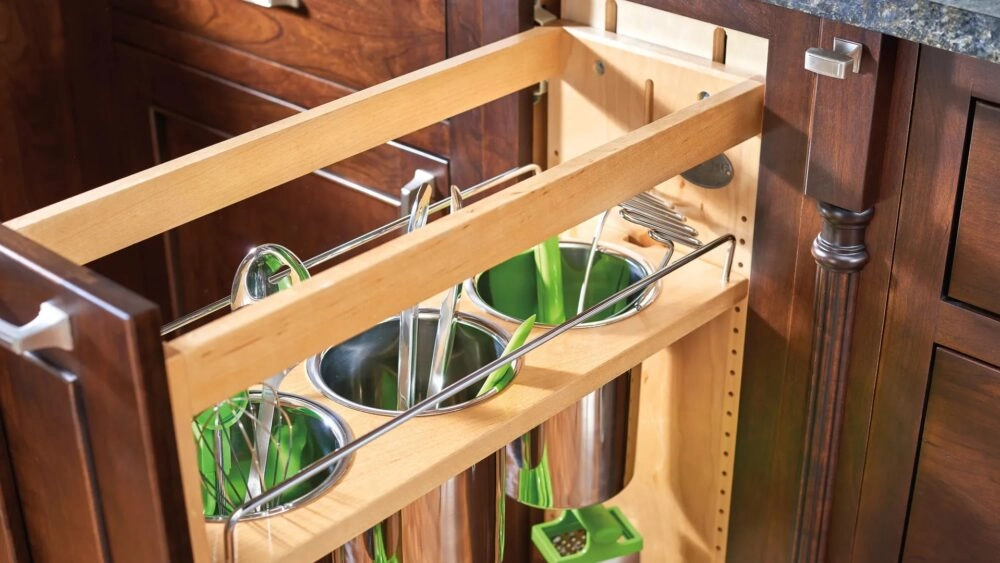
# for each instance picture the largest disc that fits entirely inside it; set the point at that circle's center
(586, 535)
(549, 282)
(501, 376)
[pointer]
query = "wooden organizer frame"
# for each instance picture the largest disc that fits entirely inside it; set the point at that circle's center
(241, 349)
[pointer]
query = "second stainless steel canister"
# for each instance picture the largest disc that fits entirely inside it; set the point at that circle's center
(460, 521)
(583, 455)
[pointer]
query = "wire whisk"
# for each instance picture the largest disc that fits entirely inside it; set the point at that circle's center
(227, 436)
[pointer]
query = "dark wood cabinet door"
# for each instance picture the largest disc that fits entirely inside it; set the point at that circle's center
(90, 449)
(955, 512)
(975, 270)
(51, 460)
(931, 411)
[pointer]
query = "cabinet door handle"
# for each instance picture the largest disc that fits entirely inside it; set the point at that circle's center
(293, 4)
(845, 54)
(50, 329)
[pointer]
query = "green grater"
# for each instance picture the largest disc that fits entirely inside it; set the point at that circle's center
(586, 535)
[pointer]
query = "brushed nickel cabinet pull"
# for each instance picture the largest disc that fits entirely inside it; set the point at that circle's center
(293, 4)
(845, 54)
(50, 329)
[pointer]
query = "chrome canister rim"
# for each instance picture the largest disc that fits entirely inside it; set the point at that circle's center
(470, 288)
(494, 331)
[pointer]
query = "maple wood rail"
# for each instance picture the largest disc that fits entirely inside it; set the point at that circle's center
(246, 346)
(100, 221)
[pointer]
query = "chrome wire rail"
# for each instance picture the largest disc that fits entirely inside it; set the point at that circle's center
(326, 256)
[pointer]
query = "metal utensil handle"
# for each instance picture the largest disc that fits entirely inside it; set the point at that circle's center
(445, 336)
(350, 245)
(293, 4)
(591, 254)
(406, 373)
(51, 328)
(473, 378)
(662, 228)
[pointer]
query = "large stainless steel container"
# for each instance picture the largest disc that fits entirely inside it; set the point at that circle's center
(584, 454)
(461, 520)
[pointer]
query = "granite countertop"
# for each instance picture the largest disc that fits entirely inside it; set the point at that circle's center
(970, 27)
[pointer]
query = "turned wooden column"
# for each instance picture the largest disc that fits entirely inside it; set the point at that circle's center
(840, 255)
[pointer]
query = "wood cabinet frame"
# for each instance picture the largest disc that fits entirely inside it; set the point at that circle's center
(209, 363)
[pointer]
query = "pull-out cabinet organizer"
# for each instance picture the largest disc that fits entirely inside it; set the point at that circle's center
(600, 87)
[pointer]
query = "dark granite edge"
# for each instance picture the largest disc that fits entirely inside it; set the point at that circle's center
(923, 21)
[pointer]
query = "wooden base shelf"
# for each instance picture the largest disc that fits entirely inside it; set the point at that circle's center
(410, 461)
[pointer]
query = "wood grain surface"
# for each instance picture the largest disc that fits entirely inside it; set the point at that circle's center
(357, 43)
(100, 422)
(956, 494)
(309, 140)
(975, 269)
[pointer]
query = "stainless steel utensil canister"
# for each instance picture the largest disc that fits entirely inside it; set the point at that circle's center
(583, 455)
(302, 432)
(461, 520)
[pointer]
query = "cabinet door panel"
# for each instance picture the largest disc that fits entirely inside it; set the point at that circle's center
(975, 271)
(357, 43)
(922, 490)
(955, 512)
(43, 416)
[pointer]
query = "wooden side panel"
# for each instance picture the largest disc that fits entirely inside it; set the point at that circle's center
(120, 388)
(680, 495)
(956, 495)
(684, 454)
(779, 315)
(51, 457)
